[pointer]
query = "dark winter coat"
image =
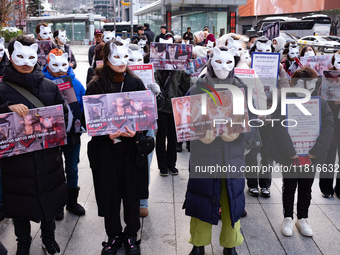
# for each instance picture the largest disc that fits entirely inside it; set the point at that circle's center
(159, 37)
(149, 34)
(102, 154)
(33, 184)
(91, 53)
(3, 63)
(282, 145)
(203, 194)
(71, 58)
(172, 84)
(335, 108)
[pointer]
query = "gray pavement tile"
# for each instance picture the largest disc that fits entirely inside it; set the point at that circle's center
(180, 185)
(319, 199)
(160, 189)
(332, 212)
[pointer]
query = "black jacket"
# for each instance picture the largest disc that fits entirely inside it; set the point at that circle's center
(188, 36)
(159, 36)
(33, 184)
(71, 58)
(281, 148)
(150, 35)
(3, 63)
(91, 53)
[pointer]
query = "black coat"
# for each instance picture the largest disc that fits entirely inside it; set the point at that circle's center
(281, 149)
(71, 58)
(3, 63)
(33, 184)
(149, 34)
(105, 164)
(159, 36)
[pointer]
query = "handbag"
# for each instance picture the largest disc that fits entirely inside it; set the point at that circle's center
(145, 145)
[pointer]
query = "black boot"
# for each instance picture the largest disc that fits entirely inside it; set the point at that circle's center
(197, 250)
(131, 245)
(229, 251)
(60, 214)
(23, 246)
(72, 204)
(112, 245)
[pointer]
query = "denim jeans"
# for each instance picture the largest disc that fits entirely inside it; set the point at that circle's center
(71, 154)
(144, 203)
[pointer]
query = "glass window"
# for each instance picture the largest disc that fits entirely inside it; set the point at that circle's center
(79, 30)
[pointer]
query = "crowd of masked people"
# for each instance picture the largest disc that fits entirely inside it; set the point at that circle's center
(34, 187)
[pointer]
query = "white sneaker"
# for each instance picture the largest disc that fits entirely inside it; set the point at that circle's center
(287, 226)
(304, 227)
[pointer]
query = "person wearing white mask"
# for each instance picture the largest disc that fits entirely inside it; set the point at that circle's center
(307, 51)
(291, 50)
(278, 44)
(43, 32)
(283, 152)
(142, 41)
(3, 57)
(61, 39)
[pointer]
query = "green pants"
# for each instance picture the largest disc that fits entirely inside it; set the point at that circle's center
(230, 237)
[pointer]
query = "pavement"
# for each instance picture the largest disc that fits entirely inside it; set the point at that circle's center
(166, 230)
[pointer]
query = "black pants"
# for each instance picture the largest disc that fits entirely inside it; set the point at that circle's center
(326, 178)
(166, 157)
(22, 228)
(304, 188)
(181, 144)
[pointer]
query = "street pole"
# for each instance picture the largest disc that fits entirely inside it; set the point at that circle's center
(131, 17)
(114, 12)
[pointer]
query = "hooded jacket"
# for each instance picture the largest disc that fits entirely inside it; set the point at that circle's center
(33, 183)
(3, 63)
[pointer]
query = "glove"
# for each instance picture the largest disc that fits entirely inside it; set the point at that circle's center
(209, 137)
(191, 70)
(154, 87)
(229, 138)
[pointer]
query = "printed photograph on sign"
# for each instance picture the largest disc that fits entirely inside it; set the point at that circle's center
(318, 63)
(44, 47)
(330, 88)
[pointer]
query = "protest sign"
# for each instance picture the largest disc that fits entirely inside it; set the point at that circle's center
(272, 30)
(107, 113)
(295, 66)
(307, 130)
(42, 128)
(192, 125)
(266, 67)
(249, 77)
(330, 89)
(318, 63)
(198, 65)
(44, 48)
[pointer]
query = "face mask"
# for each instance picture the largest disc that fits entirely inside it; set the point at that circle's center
(251, 45)
(210, 45)
(263, 47)
(141, 43)
(245, 56)
(236, 44)
(309, 53)
(337, 61)
(276, 47)
(109, 36)
(293, 52)
(310, 86)
(136, 57)
(2, 47)
(119, 54)
(165, 41)
(126, 41)
(58, 63)
(222, 62)
(62, 36)
(25, 55)
(45, 32)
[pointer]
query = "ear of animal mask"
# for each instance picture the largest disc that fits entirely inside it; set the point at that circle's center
(45, 32)
(293, 52)
(246, 56)
(108, 36)
(2, 47)
(126, 41)
(337, 61)
(62, 36)
(170, 40)
(136, 57)
(222, 62)
(210, 45)
(58, 63)
(25, 55)
(263, 47)
(118, 54)
(236, 44)
(141, 43)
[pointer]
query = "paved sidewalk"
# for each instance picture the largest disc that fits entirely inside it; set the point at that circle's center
(166, 230)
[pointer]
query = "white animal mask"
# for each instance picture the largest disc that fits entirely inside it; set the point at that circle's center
(25, 55)
(136, 57)
(2, 47)
(293, 52)
(126, 41)
(337, 61)
(119, 54)
(58, 63)
(141, 43)
(236, 44)
(62, 36)
(45, 32)
(170, 40)
(310, 86)
(210, 45)
(109, 36)
(185, 42)
(222, 62)
(309, 53)
(246, 56)
(263, 47)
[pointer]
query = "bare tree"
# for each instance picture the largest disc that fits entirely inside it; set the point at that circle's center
(6, 9)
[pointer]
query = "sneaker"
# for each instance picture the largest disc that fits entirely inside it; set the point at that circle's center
(304, 227)
(131, 245)
(325, 195)
(244, 214)
(197, 250)
(287, 226)
(265, 192)
(143, 212)
(173, 171)
(229, 251)
(112, 245)
(254, 192)
(163, 172)
(23, 247)
(50, 245)
(179, 149)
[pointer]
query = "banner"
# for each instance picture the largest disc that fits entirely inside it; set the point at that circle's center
(191, 124)
(107, 113)
(44, 48)
(170, 56)
(318, 63)
(307, 130)
(272, 31)
(330, 88)
(42, 128)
